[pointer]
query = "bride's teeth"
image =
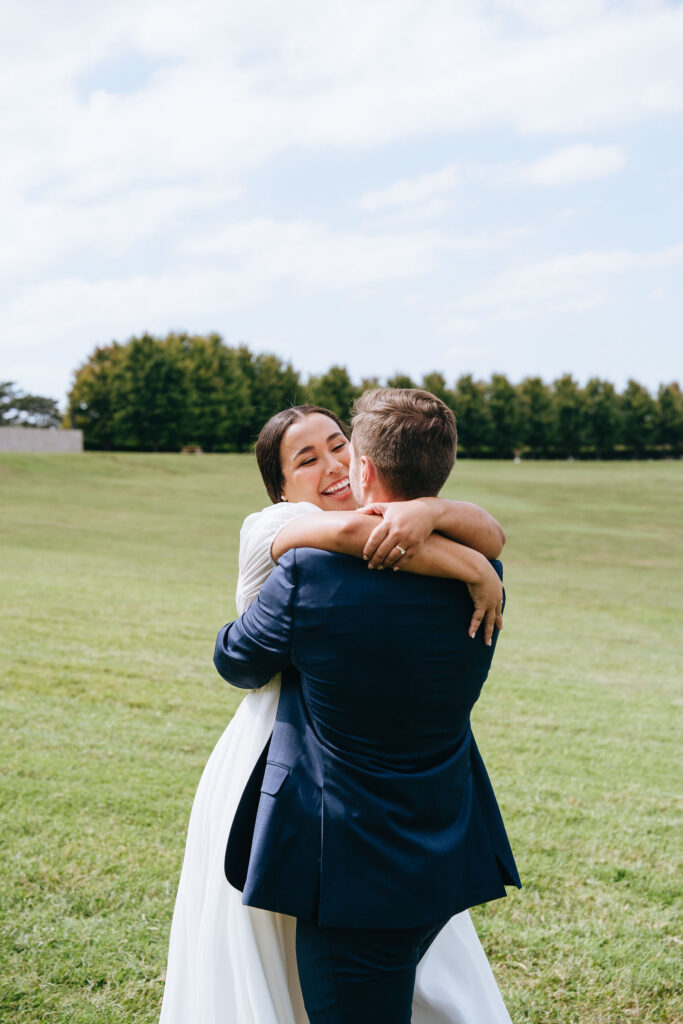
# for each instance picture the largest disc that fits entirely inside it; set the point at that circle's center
(342, 485)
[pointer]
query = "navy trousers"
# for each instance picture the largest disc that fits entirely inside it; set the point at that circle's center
(360, 975)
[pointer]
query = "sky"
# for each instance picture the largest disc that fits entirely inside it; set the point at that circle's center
(469, 186)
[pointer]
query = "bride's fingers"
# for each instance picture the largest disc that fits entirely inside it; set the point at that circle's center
(397, 557)
(488, 625)
(376, 509)
(382, 558)
(490, 617)
(477, 616)
(388, 553)
(374, 540)
(401, 561)
(384, 546)
(499, 615)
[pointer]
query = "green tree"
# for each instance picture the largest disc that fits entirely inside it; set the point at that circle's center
(472, 416)
(273, 385)
(219, 396)
(23, 410)
(154, 412)
(96, 398)
(537, 417)
(601, 430)
(435, 383)
(333, 390)
(160, 393)
(570, 415)
(638, 416)
(368, 384)
(9, 395)
(37, 411)
(400, 380)
(504, 414)
(669, 419)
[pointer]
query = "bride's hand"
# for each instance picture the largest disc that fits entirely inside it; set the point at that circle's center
(403, 526)
(487, 595)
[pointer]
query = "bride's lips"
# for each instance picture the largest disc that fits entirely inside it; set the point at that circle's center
(340, 489)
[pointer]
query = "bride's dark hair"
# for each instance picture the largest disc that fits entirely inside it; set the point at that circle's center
(269, 441)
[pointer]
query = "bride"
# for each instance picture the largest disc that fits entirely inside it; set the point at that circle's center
(232, 963)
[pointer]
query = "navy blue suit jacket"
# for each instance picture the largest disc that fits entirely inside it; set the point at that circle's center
(372, 806)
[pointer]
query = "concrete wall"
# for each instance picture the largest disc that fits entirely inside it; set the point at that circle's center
(33, 439)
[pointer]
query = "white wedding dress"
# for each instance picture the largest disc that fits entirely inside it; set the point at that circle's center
(231, 964)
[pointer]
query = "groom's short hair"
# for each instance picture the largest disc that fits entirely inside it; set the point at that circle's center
(410, 436)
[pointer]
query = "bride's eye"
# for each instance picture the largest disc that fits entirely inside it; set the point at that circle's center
(308, 462)
(338, 447)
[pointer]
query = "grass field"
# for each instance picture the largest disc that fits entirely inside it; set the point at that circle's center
(116, 573)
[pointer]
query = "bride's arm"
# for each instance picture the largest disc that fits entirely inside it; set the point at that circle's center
(413, 521)
(347, 533)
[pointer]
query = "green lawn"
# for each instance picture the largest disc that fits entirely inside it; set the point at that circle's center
(118, 570)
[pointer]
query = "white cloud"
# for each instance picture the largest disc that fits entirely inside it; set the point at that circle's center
(235, 87)
(216, 274)
(314, 256)
(562, 283)
(429, 195)
(318, 257)
(239, 86)
(412, 191)
(463, 351)
(224, 270)
(71, 309)
(40, 233)
(572, 164)
(459, 327)
(540, 14)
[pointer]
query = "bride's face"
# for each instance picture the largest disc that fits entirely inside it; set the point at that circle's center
(314, 456)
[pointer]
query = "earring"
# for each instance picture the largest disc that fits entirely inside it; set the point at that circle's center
(282, 498)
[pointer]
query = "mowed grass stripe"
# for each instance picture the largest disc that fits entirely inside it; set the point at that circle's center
(117, 572)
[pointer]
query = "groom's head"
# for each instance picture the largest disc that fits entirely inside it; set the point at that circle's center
(403, 444)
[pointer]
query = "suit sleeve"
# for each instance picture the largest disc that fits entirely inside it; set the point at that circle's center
(256, 646)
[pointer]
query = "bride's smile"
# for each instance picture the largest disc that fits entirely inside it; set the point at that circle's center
(338, 489)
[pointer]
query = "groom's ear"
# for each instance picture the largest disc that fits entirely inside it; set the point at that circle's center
(368, 473)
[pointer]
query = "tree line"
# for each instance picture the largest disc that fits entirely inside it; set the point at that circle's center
(160, 394)
(19, 409)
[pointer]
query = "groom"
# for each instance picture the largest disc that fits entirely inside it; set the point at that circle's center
(373, 820)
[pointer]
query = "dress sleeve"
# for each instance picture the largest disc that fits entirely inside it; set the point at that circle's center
(258, 532)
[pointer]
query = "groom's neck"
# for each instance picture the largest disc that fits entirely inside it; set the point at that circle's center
(374, 486)
(379, 493)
